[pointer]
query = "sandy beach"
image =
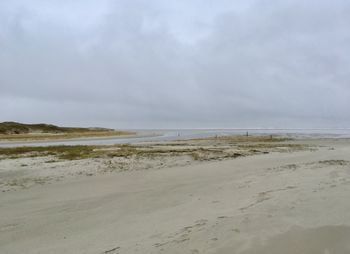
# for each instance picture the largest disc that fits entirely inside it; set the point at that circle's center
(174, 127)
(282, 197)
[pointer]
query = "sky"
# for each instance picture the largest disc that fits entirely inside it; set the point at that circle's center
(176, 63)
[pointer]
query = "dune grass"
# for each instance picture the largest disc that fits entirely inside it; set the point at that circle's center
(12, 131)
(21, 128)
(196, 149)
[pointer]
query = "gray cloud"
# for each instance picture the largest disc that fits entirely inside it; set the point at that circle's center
(175, 64)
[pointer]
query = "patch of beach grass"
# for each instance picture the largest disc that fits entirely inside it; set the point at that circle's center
(335, 162)
(202, 151)
(62, 152)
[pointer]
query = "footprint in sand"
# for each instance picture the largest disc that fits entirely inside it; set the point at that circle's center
(184, 234)
(112, 251)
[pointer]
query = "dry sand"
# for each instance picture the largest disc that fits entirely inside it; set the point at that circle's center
(290, 202)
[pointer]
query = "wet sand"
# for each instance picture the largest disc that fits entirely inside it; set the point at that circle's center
(290, 202)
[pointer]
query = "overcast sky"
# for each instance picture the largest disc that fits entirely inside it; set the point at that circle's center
(176, 63)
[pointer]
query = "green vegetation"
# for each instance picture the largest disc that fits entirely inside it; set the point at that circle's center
(81, 152)
(199, 149)
(75, 152)
(62, 152)
(20, 128)
(20, 131)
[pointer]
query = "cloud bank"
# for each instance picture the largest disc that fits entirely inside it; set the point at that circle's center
(176, 64)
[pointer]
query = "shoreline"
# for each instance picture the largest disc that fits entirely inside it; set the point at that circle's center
(49, 142)
(161, 135)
